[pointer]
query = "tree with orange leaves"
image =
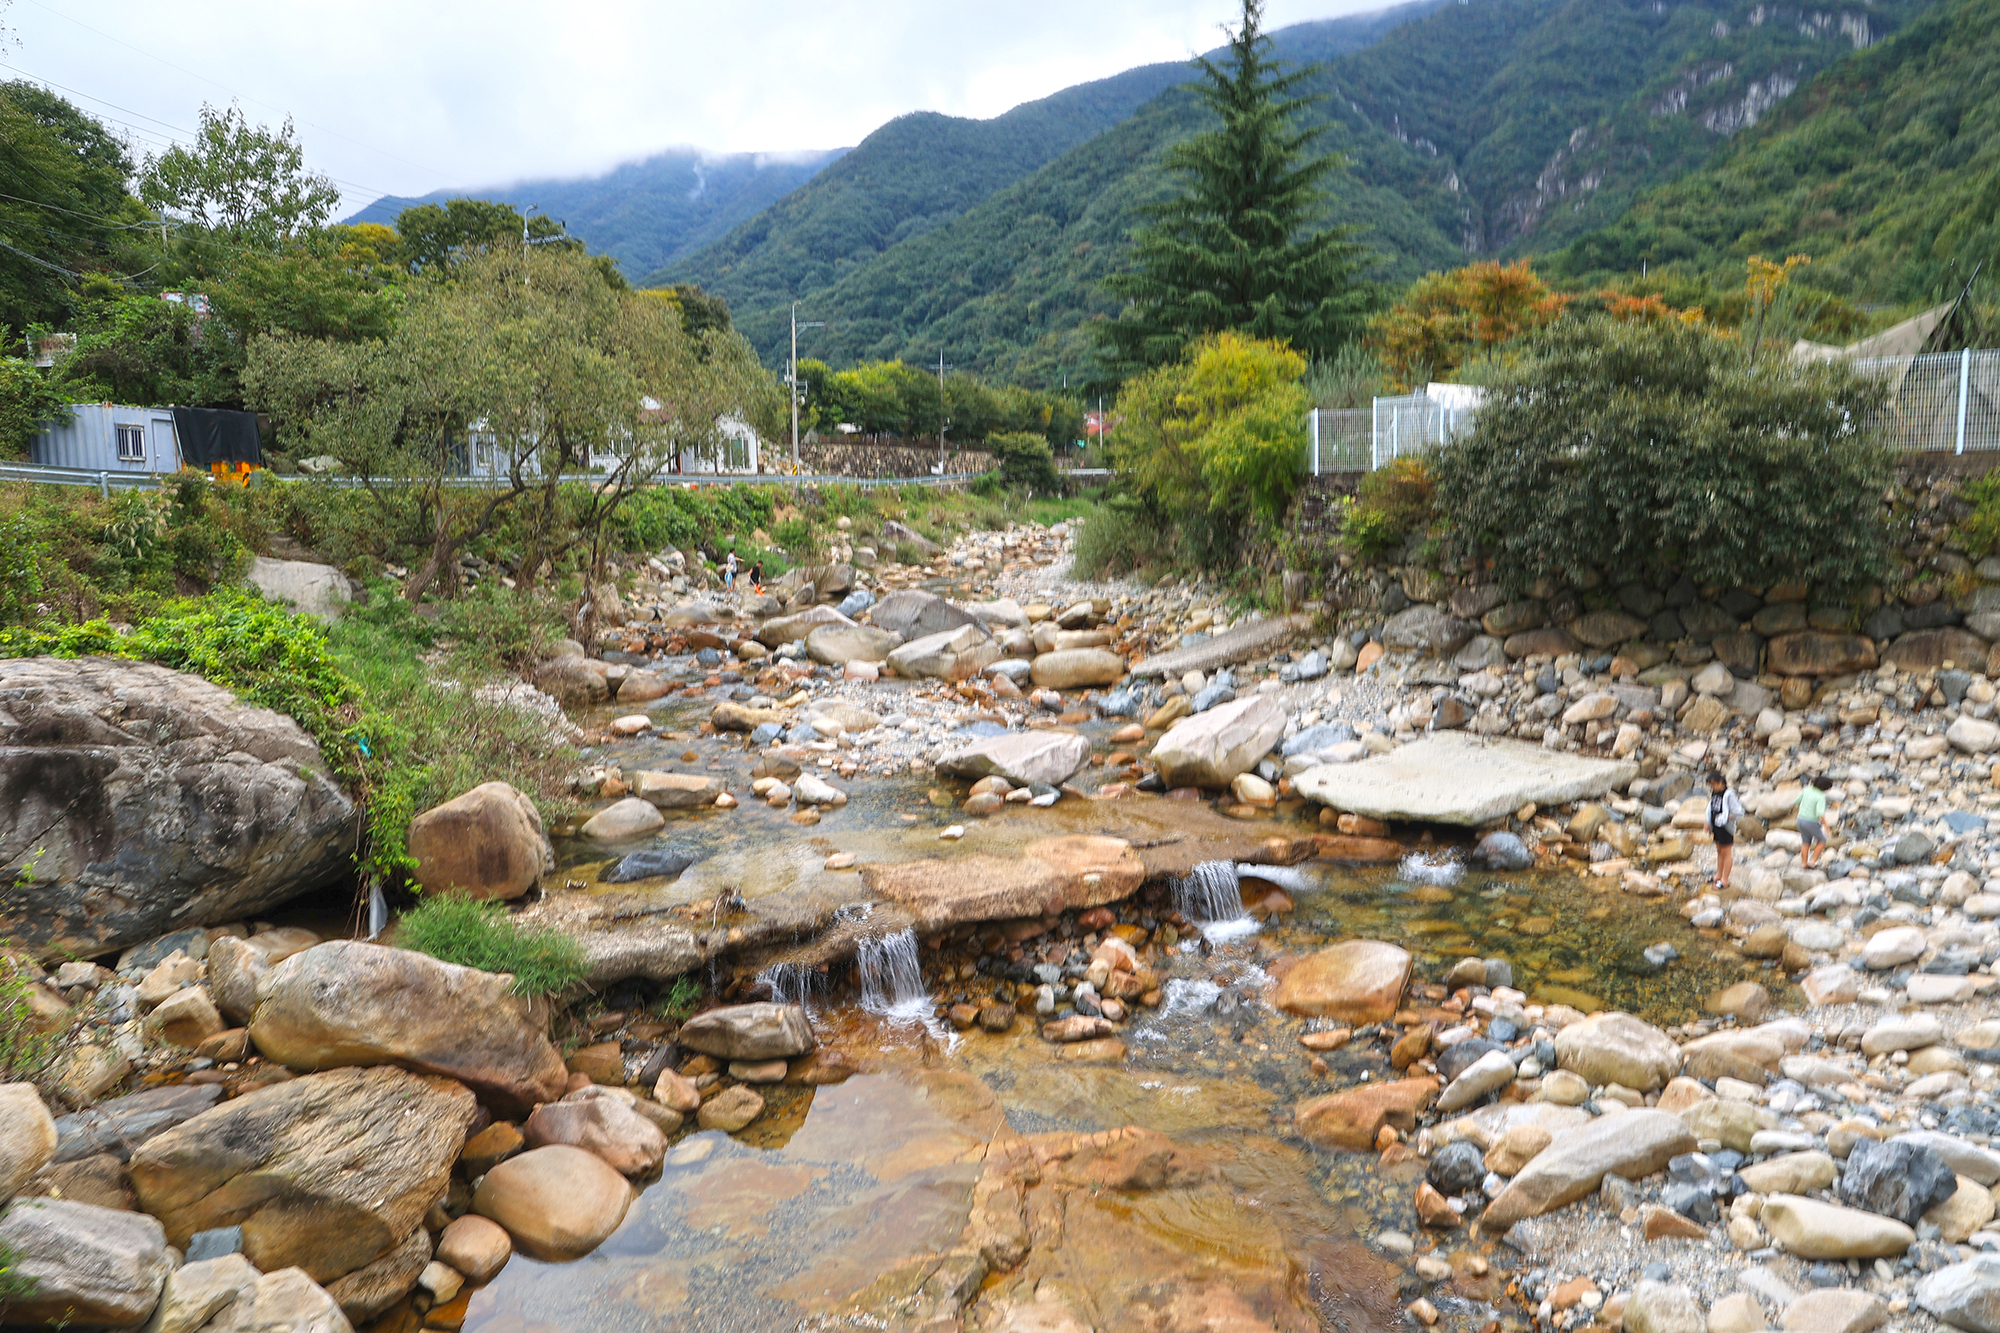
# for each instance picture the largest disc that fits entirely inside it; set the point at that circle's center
(1448, 318)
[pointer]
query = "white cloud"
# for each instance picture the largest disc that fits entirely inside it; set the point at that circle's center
(409, 97)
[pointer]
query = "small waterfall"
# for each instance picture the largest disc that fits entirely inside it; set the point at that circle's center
(892, 983)
(1209, 893)
(794, 983)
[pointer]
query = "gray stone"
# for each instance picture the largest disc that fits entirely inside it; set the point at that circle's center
(89, 1266)
(1977, 1164)
(1022, 757)
(1258, 638)
(1965, 1295)
(1210, 749)
(840, 644)
(1618, 1048)
(162, 801)
(1501, 850)
(1633, 1145)
(1899, 1179)
(287, 1301)
(954, 654)
(1660, 1307)
(1815, 1230)
(750, 1032)
(195, 1293)
(122, 1124)
(1458, 778)
(915, 614)
(782, 630)
(310, 588)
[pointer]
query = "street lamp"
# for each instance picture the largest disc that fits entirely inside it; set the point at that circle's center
(792, 379)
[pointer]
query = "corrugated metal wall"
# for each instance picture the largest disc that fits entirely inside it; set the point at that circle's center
(89, 439)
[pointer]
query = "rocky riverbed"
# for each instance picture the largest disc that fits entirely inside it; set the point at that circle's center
(1085, 957)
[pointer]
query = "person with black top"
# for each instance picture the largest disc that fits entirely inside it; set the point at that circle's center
(1724, 809)
(757, 578)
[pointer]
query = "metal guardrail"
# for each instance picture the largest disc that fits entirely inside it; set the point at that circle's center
(105, 482)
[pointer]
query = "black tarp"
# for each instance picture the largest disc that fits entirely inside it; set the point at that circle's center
(215, 435)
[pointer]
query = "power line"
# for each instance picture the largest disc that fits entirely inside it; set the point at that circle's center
(154, 55)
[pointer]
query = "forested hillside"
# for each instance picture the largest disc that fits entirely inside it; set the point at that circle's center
(1489, 127)
(646, 214)
(1886, 170)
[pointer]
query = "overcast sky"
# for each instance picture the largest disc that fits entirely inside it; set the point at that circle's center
(417, 95)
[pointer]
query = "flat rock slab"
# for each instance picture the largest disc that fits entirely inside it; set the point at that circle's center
(1236, 645)
(1453, 778)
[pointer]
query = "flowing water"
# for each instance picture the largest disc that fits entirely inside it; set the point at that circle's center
(842, 1193)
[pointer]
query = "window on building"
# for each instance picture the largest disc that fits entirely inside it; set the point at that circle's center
(131, 444)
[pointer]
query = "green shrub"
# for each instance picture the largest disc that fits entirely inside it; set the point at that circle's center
(1979, 530)
(1631, 445)
(21, 557)
(482, 935)
(1392, 503)
(1026, 462)
(1120, 538)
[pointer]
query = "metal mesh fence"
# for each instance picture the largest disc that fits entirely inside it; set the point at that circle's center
(1943, 403)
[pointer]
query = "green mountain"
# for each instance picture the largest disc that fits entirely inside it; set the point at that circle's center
(1885, 169)
(646, 214)
(1484, 127)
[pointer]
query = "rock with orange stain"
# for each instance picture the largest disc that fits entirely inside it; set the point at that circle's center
(1351, 1119)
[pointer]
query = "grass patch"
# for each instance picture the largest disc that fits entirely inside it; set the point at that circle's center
(482, 935)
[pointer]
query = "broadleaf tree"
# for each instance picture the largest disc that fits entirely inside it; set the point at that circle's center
(1241, 247)
(238, 183)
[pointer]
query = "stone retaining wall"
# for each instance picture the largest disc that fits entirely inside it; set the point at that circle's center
(871, 459)
(1938, 607)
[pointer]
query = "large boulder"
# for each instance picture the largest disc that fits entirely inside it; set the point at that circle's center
(195, 1292)
(781, 630)
(1618, 1048)
(556, 1202)
(840, 644)
(1049, 875)
(1900, 1179)
(81, 1265)
(1929, 649)
(1074, 668)
(1021, 757)
(750, 1032)
(373, 1288)
(486, 843)
(953, 654)
(348, 1003)
(28, 1136)
(1210, 749)
(314, 589)
(161, 802)
(914, 614)
(329, 1172)
(1355, 981)
(1633, 1145)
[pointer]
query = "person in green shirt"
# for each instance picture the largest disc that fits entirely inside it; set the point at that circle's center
(1812, 822)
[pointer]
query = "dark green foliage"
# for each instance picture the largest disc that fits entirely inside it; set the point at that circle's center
(434, 234)
(27, 399)
(662, 516)
(482, 935)
(1392, 503)
(1885, 169)
(64, 210)
(1632, 446)
(1979, 530)
(1236, 248)
(1026, 462)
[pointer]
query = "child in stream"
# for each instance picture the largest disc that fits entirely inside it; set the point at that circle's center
(1724, 809)
(1812, 822)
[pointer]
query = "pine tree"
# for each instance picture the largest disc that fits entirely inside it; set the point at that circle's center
(1233, 251)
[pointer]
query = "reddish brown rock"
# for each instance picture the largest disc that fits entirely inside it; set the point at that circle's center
(1353, 1118)
(1816, 654)
(1356, 981)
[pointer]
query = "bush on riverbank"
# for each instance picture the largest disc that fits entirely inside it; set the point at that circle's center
(1627, 445)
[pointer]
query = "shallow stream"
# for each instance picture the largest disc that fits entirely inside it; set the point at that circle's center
(838, 1193)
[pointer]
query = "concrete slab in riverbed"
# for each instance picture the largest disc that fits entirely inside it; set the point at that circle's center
(1451, 777)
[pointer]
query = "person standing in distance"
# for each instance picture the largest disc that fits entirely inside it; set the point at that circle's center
(1724, 809)
(1812, 822)
(729, 572)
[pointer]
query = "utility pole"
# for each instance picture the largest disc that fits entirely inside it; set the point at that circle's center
(792, 380)
(942, 368)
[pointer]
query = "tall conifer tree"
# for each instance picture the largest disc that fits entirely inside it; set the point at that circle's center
(1234, 250)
